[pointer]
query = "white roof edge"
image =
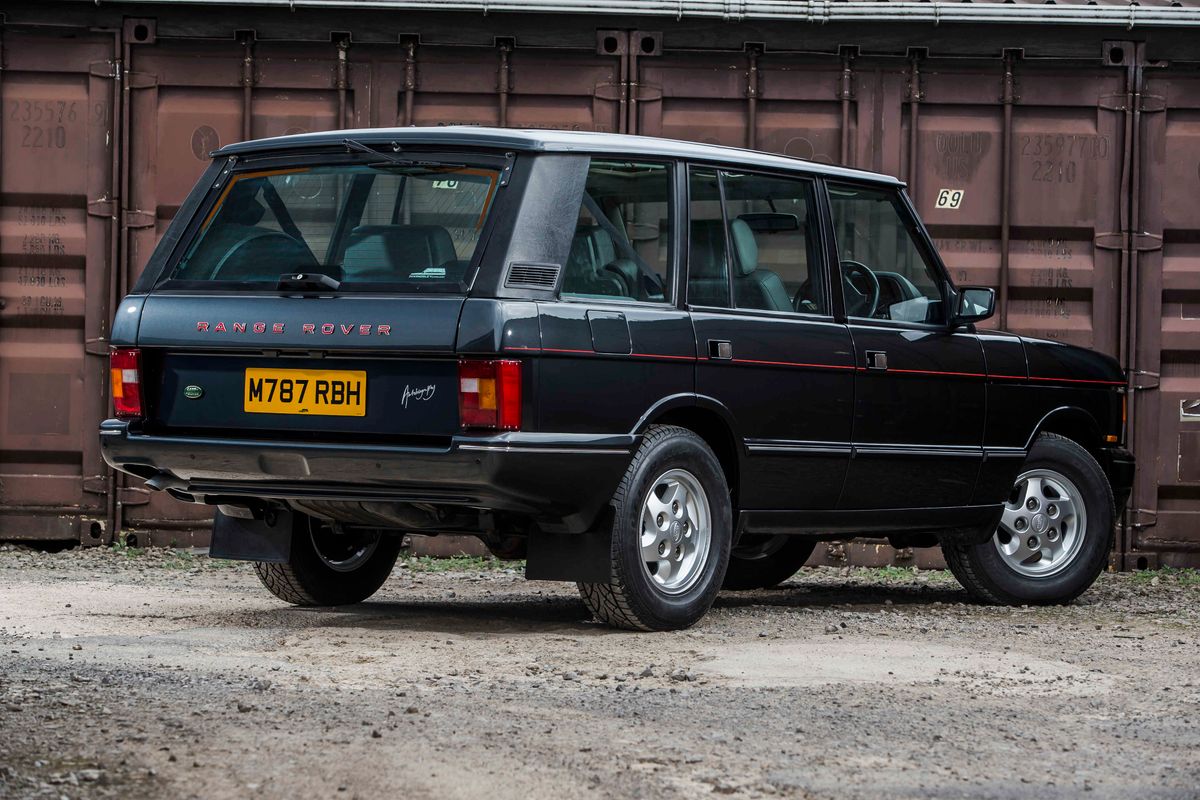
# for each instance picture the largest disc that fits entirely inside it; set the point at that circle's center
(814, 11)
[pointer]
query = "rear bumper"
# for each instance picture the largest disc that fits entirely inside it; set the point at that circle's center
(1119, 465)
(558, 478)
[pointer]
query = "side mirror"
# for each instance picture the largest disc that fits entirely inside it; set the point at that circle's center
(975, 304)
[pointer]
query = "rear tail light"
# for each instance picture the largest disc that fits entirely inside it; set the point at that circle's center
(126, 369)
(489, 394)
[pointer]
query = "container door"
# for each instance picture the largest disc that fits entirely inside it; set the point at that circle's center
(56, 228)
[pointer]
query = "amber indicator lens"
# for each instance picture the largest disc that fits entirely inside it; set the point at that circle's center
(125, 367)
(489, 394)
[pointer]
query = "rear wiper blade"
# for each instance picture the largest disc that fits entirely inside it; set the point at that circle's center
(307, 282)
(398, 161)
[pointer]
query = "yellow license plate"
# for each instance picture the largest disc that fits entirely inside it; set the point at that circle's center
(320, 392)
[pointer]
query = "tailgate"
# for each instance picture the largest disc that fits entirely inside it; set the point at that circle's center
(362, 366)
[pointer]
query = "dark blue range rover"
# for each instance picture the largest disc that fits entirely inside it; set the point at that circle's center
(651, 367)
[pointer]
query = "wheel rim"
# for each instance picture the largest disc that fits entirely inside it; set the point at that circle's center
(676, 532)
(756, 547)
(1043, 525)
(342, 552)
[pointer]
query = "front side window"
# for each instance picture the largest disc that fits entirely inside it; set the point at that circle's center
(755, 243)
(384, 224)
(621, 248)
(884, 273)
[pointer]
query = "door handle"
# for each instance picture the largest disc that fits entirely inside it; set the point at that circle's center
(720, 349)
(877, 360)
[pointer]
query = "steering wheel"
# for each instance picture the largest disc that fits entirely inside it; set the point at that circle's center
(858, 302)
(269, 243)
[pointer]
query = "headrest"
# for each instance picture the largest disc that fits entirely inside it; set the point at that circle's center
(241, 207)
(404, 249)
(745, 248)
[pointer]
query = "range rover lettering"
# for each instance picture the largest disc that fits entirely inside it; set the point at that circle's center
(650, 367)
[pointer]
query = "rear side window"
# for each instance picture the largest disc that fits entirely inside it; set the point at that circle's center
(382, 225)
(621, 248)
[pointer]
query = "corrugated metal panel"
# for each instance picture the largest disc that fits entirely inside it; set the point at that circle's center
(1056, 162)
(55, 234)
(1165, 407)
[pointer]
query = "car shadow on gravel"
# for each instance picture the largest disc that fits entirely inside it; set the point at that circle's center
(566, 613)
(453, 616)
(826, 596)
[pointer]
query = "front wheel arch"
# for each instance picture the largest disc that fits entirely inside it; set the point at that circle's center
(1069, 422)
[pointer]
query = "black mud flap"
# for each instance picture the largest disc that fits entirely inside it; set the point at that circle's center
(581, 557)
(248, 539)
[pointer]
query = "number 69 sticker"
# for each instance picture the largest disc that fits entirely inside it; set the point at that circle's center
(949, 198)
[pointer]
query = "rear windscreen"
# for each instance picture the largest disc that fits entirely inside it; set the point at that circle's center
(363, 225)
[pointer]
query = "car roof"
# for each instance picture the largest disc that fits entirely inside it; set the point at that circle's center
(549, 141)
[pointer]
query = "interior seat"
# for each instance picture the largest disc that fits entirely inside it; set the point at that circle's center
(394, 252)
(707, 283)
(755, 288)
(591, 250)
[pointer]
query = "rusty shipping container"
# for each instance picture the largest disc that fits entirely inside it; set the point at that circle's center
(1076, 150)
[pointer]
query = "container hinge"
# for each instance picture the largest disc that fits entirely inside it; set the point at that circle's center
(1146, 103)
(96, 347)
(140, 80)
(1140, 518)
(1141, 380)
(105, 69)
(135, 218)
(101, 208)
(133, 496)
(96, 484)
(1141, 242)
(1151, 103)
(609, 91)
(1145, 242)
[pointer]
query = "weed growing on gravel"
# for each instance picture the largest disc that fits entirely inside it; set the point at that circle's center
(1176, 575)
(894, 574)
(459, 564)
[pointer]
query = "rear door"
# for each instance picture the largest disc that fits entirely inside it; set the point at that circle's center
(919, 386)
(320, 301)
(768, 347)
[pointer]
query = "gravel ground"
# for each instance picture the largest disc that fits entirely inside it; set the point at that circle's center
(166, 674)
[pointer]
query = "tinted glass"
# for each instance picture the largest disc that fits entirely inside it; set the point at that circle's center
(775, 243)
(622, 243)
(360, 225)
(884, 274)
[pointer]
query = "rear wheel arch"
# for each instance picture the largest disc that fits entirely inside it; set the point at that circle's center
(710, 421)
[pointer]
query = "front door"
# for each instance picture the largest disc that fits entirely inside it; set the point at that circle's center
(919, 389)
(768, 347)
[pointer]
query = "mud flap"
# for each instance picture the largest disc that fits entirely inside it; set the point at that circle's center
(580, 557)
(248, 539)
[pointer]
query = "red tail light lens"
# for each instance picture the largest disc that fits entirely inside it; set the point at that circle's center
(126, 369)
(489, 394)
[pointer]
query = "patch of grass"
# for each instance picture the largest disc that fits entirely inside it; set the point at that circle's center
(891, 572)
(459, 564)
(1181, 576)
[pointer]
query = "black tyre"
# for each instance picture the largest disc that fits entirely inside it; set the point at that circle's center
(760, 561)
(330, 569)
(1054, 538)
(670, 536)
